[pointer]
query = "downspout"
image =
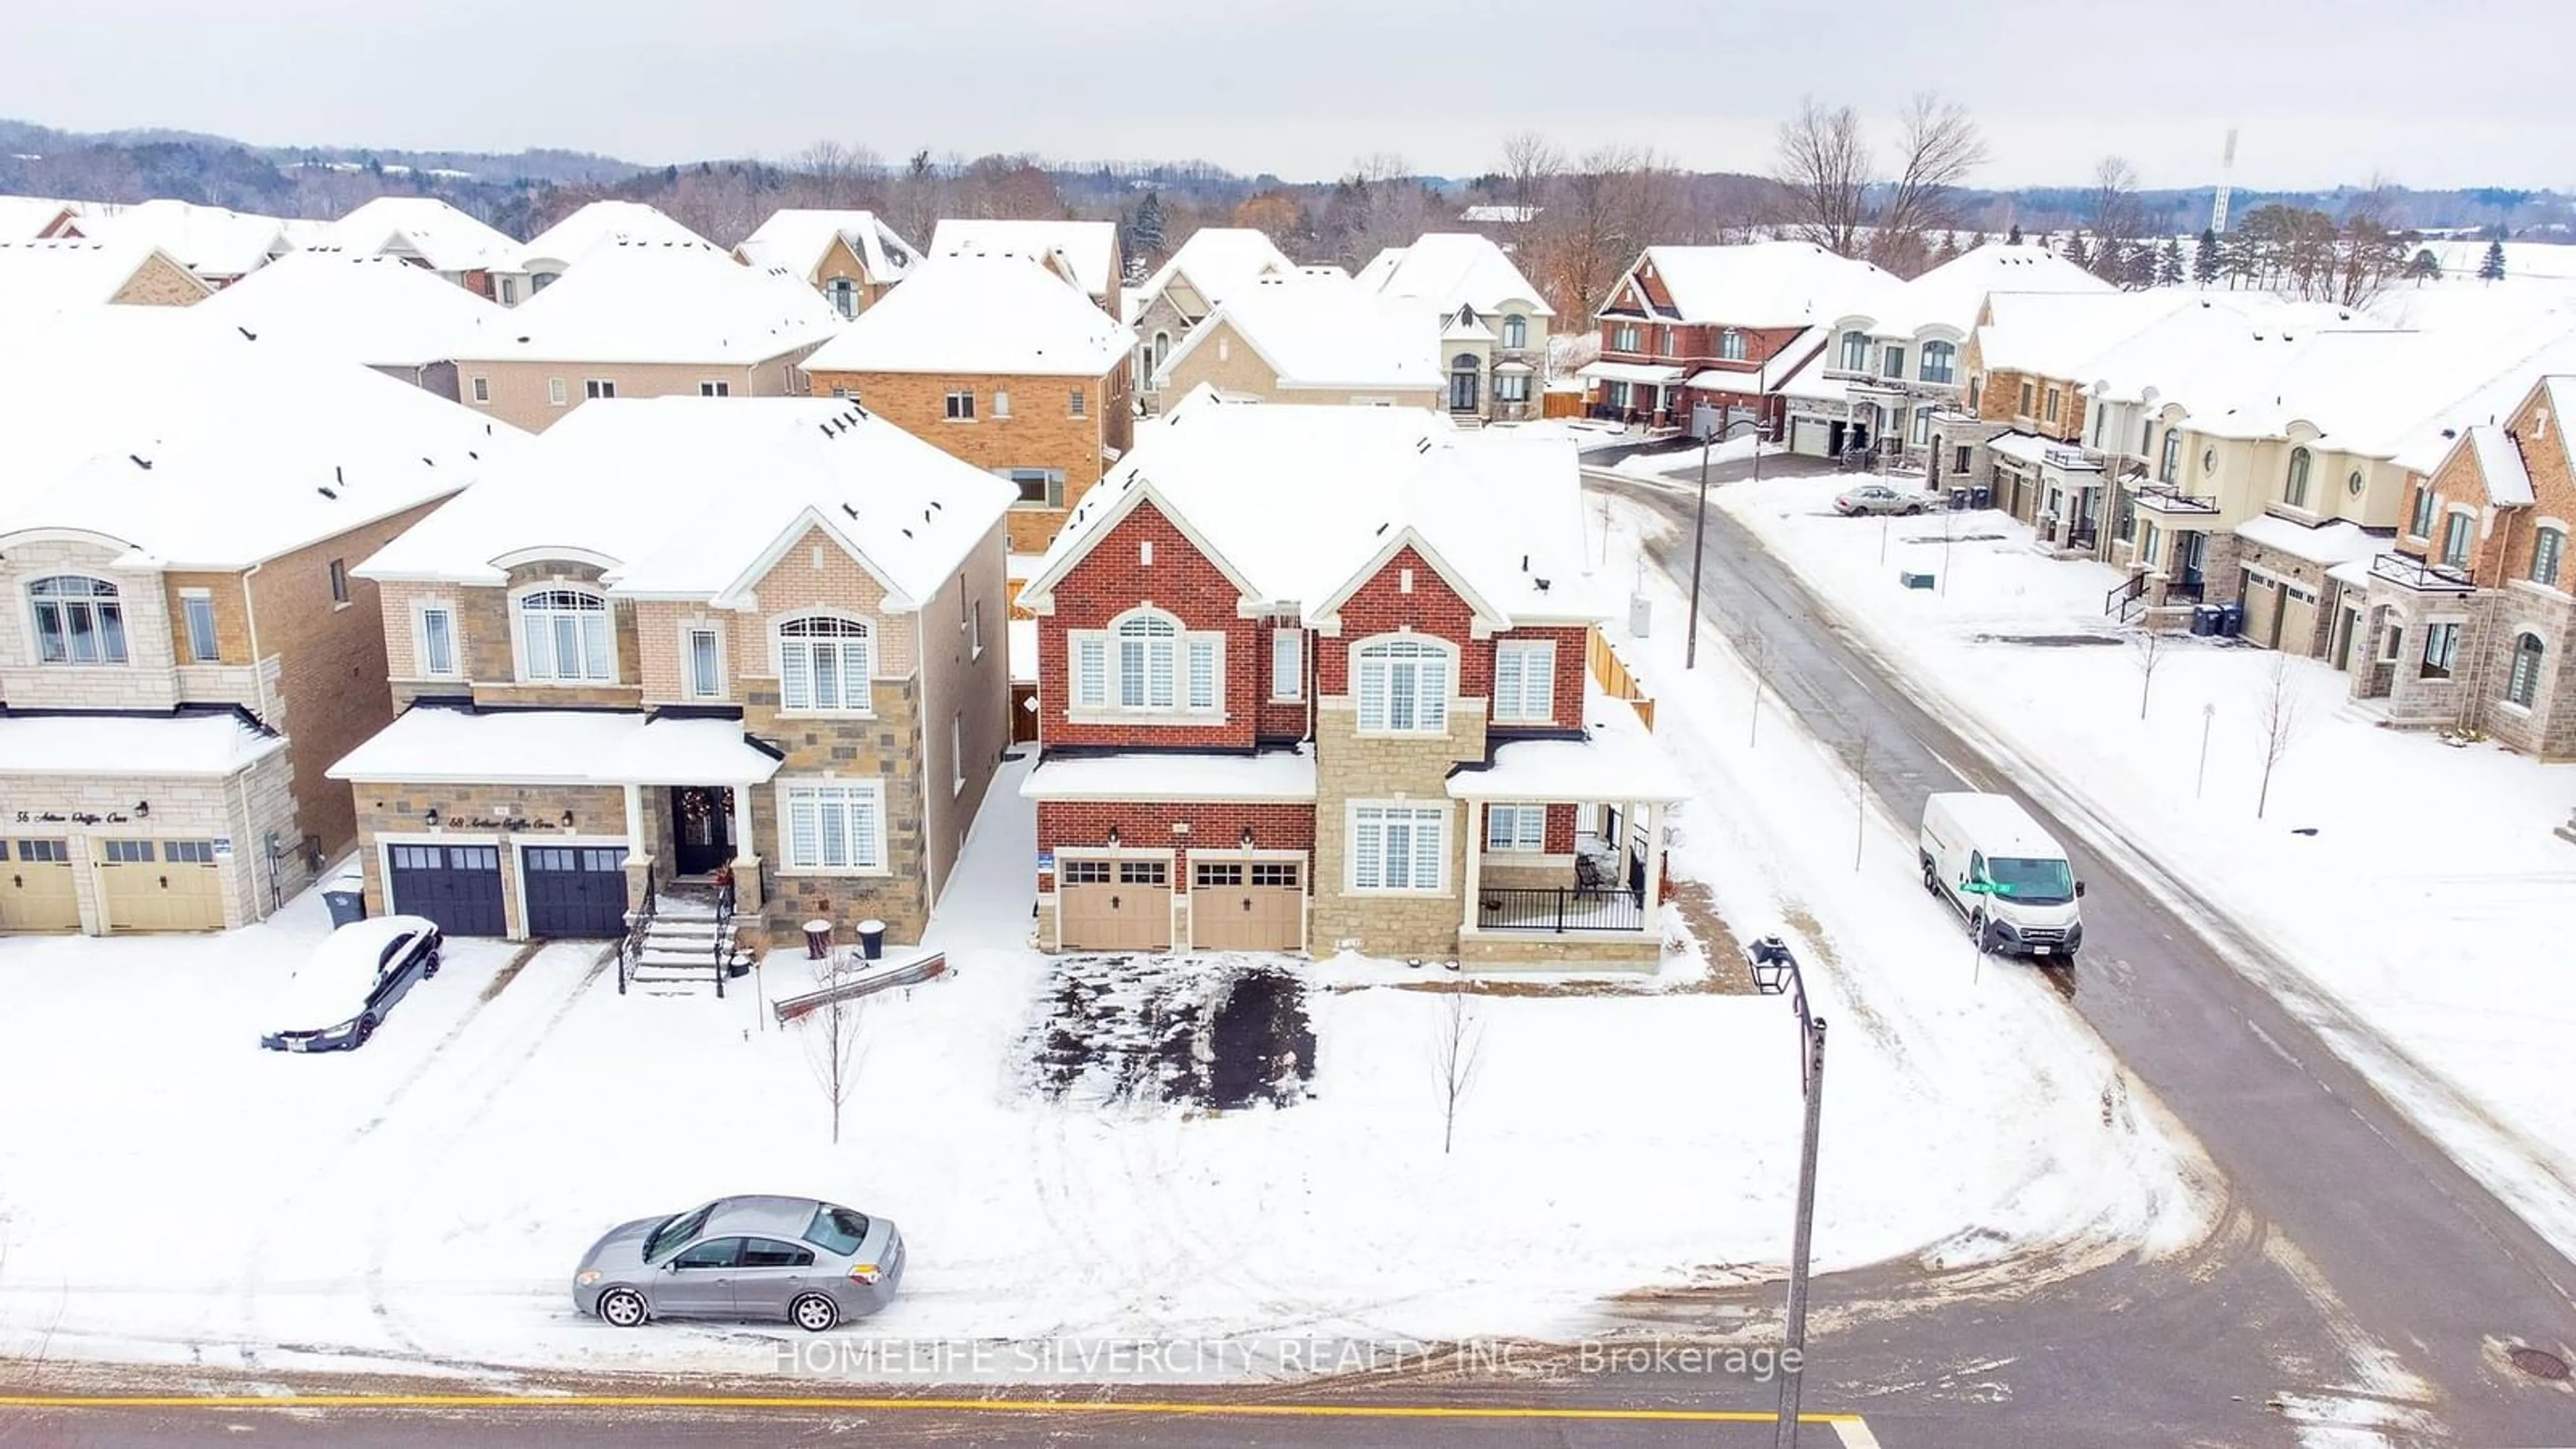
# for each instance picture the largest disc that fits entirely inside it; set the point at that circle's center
(930, 802)
(250, 621)
(250, 617)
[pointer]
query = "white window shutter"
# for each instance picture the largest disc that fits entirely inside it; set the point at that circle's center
(1367, 838)
(795, 679)
(1427, 839)
(1432, 711)
(1372, 695)
(1091, 671)
(1508, 659)
(1203, 681)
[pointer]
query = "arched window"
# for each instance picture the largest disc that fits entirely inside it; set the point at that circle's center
(824, 663)
(2169, 469)
(845, 296)
(1515, 330)
(1403, 685)
(1162, 349)
(2522, 681)
(2294, 490)
(1855, 351)
(1462, 383)
(78, 620)
(2548, 553)
(1147, 663)
(1940, 361)
(566, 635)
(1730, 346)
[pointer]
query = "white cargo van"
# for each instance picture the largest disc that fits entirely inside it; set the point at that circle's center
(2002, 874)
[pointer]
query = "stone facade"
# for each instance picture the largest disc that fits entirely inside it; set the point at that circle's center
(1045, 428)
(241, 813)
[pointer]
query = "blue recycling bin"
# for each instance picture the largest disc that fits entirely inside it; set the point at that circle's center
(1981, 497)
(345, 896)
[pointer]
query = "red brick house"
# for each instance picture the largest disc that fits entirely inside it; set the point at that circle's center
(1720, 325)
(1313, 679)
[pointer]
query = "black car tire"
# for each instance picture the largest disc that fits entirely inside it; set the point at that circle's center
(814, 1313)
(366, 1029)
(1984, 933)
(1931, 882)
(429, 967)
(623, 1308)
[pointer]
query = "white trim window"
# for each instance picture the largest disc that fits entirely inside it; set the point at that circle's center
(1145, 663)
(1515, 330)
(702, 660)
(1525, 681)
(566, 637)
(1038, 487)
(1396, 847)
(433, 640)
(961, 406)
(198, 608)
(1730, 346)
(595, 388)
(825, 664)
(555, 391)
(1515, 829)
(482, 389)
(79, 620)
(2548, 555)
(1940, 361)
(833, 827)
(1287, 663)
(1403, 685)
(1855, 347)
(715, 389)
(2522, 676)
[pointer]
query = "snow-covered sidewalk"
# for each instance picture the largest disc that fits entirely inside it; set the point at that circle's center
(420, 1203)
(2416, 888)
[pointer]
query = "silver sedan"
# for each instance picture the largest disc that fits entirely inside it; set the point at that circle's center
(797, 1258)
(1878, 498)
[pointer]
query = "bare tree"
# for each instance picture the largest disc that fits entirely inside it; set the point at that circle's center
(1940, 145)
(1610, 205)
(836, 176)
(1822, 162)
(835, 1041)
(1531, 165)
(1457, 1041)
(2277, 712)
(2147, 650)
(1755, 651)
(2115, 214)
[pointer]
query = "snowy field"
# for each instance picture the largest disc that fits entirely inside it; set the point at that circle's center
(2416, 887)
(183, 1197)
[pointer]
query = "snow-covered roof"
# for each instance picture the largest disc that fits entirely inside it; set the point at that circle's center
(1087, 249)
(1949, 295)
(644, 302)
(436, 744)
(1648, 372)
(1320, 334)
(24, 218)
(1761, 284)
(372, 309)
(424, 227)
(1487, 213)
(1279, 774)
(688, 497)
(798, 239)
(207, 745)
(1615, 760)
(1796, 370)
(1453, 269)
(51, 276)
(1217, 262)
(2044, 452)
(2331, 543)
(598, 224)
(214, 242)
(1300, 503)
(980, 313)
(2508, 481)
(239, 451)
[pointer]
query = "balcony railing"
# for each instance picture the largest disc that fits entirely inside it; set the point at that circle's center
(2166, 498)
(1556, 911)
(2407, 571)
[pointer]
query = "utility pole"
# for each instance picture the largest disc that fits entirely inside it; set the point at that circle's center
(1699, 522)
(1775, 970)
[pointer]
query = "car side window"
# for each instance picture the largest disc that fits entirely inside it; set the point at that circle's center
(1976, 865)
(771, 1253)
(713, 1253)
(393, 952)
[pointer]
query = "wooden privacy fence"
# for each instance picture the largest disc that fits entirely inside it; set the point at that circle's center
(1615, 678)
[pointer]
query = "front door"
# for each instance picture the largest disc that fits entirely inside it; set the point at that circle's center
(701, 828)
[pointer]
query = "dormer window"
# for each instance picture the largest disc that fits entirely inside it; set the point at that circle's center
(1940, 362)
(2294, 488)
(1855, 352)
(566, 637)
(78, 620)
(1515, 330)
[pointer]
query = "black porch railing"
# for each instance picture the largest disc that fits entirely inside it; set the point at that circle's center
(2423, 577)
(630, 947)
(1559, 910)
(2126, 599)
(2166, 498)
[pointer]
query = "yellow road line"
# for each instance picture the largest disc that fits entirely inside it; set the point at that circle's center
(892, 1405)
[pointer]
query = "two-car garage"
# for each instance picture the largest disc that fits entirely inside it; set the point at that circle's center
(1126, 904)
(565, 891)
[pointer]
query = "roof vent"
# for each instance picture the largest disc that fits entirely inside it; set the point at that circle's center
(247, 334)
(337, 476)
(1524, 563)
(824, 428)
(1381, 531)
(853, 512)
(141, 462)
(1542, 585)
(327, 493)
(907, 533)
(935, 503)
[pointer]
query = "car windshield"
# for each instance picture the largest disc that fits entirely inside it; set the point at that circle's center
(837, 1229)
(675, 1231)
(2032, 882)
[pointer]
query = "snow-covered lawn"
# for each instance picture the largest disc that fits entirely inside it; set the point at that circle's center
(2416, 887)
(168, 1192)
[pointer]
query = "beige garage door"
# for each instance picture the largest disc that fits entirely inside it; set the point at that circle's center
(1114, 905)
(2299, 623)
(1247, 905)
(36, 890)
(161, 885)
(2263, 612)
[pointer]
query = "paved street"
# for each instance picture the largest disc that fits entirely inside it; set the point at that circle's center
(2342, 1223)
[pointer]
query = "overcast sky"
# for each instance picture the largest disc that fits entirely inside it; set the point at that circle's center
(2325, 91)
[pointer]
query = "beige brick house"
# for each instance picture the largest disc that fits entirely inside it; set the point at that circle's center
(1216, 262)
(1356, 723)
(852, 257)
(1321, 340)
(425, 232)
(185, 649)
(679, 638)
(647, 319)
(593, 227)
(48, 276)
(1494, 324)
(999, 360)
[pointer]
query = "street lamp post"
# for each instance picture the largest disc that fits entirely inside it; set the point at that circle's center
(1699, 522)
(1775, 970)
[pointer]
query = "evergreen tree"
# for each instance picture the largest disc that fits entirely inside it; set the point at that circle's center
(1948, 250)
(2204, 258)
(2492, 268)
(2075, 251)
(2242, 258)
(2014, 238)
(2426, 267)
(1145, 233)
(2169, 268)
(2138, 268)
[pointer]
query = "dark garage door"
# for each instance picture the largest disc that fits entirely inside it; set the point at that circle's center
(458, 886)
(575, 890)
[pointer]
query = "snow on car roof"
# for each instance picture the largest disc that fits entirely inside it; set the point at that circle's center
(332, 984)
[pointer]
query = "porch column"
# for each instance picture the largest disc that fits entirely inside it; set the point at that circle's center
(1654, 863)
(746, 861)
(1475, 863)
(635, 847)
